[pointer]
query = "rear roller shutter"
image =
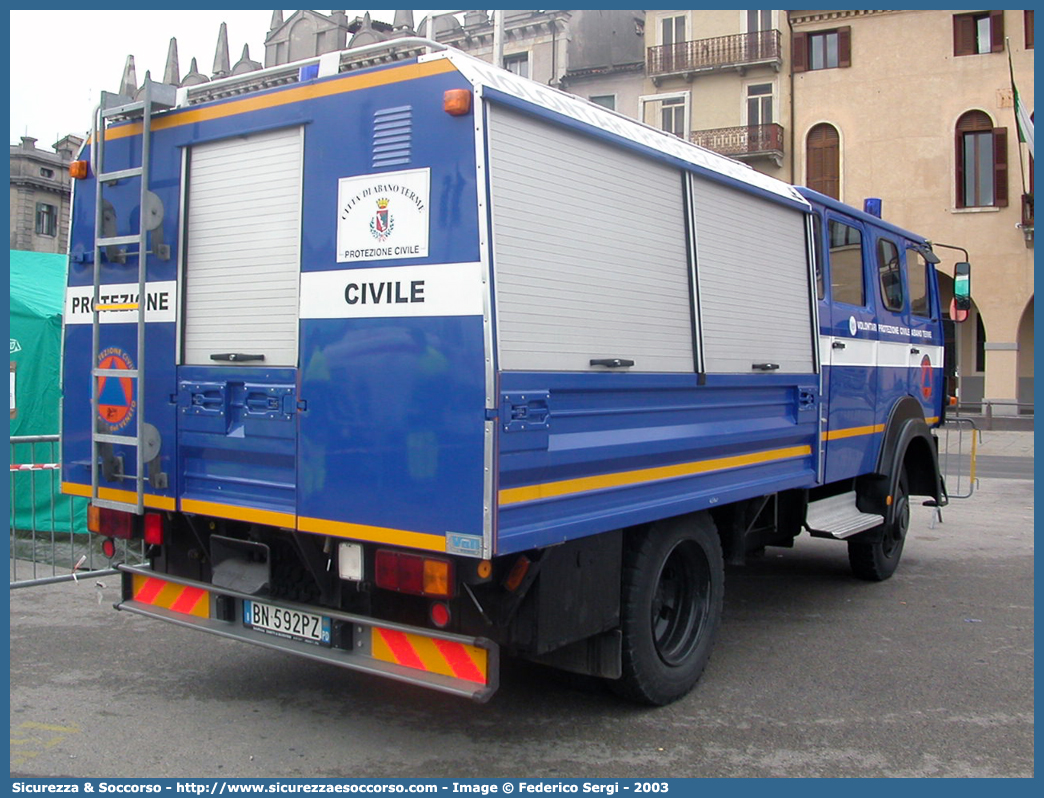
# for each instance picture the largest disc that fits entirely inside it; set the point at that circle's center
(242, 249)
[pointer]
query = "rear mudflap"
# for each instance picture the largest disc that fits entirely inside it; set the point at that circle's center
(449, 663)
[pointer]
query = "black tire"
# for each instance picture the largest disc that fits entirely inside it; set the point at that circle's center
(876, 561)
(672, 589)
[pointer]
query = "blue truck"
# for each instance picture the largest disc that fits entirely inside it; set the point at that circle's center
(408, 364)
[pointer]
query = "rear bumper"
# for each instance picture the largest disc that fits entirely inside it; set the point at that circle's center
(449, 663)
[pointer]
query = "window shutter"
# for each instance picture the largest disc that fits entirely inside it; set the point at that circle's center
(844, 46)
(824, 160)
(997, 31)
(799, 53)
(959, 166)
(964, 34)
(1000, 167)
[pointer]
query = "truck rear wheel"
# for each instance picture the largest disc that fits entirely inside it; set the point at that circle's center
(876, 561)
(672, 589)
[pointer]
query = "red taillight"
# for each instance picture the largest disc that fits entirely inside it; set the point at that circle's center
(410, 573)
(109, 548)
(111, 523)
(154, 529)
(440, 614)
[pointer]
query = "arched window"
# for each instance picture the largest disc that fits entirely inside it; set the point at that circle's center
(824, 160)
(982, 162)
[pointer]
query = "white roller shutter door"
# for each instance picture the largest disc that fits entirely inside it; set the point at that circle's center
(242, 248)
(589, 249)
(753, 278)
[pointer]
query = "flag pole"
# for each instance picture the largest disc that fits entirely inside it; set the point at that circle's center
(1015, 110)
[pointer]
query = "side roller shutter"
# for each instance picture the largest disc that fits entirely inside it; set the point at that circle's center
(753, 277)
(242, 248)
(590, 253)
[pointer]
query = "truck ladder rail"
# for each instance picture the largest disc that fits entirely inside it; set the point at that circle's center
(154, 96)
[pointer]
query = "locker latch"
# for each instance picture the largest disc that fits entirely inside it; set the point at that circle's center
(525, 412)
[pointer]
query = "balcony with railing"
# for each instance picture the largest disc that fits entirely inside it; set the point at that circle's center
(747, 142)
(738, 52)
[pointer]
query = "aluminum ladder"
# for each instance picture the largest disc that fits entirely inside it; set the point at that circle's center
(153, 97)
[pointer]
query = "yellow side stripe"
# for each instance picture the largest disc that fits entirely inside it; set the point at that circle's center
(566, 487)
(276, 99)
(374, 534)
(115, 495)
(236, 513)
(853, 432)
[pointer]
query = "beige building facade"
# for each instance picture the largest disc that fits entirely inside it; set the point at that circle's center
(720, 80)
(916, 108)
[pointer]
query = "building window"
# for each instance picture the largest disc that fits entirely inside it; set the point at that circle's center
(605, 100)
(827, 49)
(846, 264)
(890, 273)
(672, 30)
(45, 172)
(759, 20)
(981, 162)
(46, 219)
(672, 116)
(823, 157)
(519, 64)
(981, 32)
(1027, 21)
(759, 104)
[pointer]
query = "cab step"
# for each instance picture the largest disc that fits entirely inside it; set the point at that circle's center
(838, 517)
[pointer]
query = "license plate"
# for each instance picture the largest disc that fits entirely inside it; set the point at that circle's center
(291, 624)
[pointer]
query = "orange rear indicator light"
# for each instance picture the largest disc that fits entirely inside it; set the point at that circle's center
(457, 102)
(79, 169)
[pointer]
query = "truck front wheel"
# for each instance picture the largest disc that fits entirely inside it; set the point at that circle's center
(876, 561)
(672, 589)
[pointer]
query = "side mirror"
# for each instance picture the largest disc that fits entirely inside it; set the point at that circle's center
(962, 286)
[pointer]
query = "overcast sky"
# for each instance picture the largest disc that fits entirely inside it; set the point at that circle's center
(61, 60)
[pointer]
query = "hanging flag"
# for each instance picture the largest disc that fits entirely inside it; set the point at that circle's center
(1025, 121)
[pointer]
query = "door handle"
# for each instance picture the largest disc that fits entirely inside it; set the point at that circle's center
(914, 350)
(838, 345)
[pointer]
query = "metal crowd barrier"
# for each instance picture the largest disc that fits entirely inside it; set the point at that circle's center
(958, 450)
(49, 538)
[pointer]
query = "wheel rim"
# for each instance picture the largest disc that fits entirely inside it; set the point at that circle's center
(896, 533)
(681, 602)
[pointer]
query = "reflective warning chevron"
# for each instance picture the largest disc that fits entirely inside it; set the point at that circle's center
(177, 598)
(428, 654)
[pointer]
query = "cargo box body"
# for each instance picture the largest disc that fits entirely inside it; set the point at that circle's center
(371, 321)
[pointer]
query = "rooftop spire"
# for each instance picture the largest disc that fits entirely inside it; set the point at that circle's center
(221, 62)
(194, 76)
(172, 72)
(129, 83)
(277, 20)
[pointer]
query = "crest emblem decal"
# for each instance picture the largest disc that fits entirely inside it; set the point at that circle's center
(382, 223)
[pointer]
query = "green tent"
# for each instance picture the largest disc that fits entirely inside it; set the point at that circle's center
(37, 299)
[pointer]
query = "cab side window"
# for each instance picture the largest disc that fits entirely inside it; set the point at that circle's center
(917, 280)
(846, 264)
(890, 273)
